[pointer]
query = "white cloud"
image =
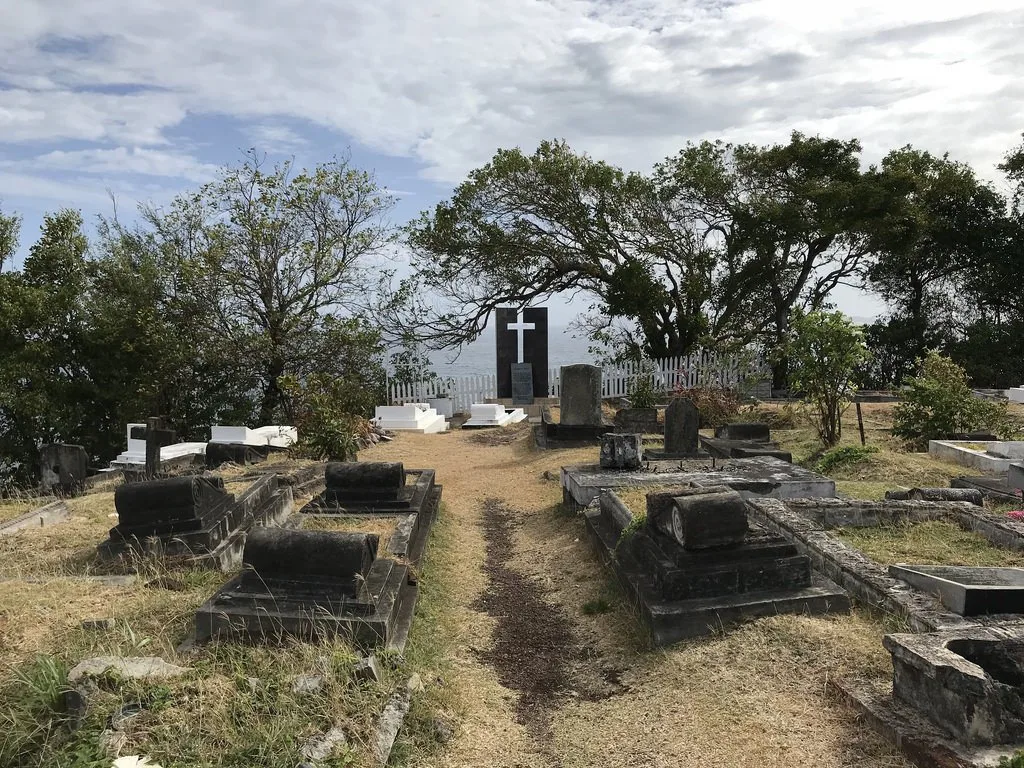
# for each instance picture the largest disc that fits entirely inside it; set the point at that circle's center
(275, 138)
(446, 82)
(128, 161)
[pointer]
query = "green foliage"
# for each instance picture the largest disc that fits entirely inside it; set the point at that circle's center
(1016, 760)
(642, 393)
(32, 708)
(938, 402)
(639, 521)
(824, 353)
(716, 405)
(327, 431)
(844, 457)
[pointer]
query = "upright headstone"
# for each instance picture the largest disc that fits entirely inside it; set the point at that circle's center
(63, 468)
(522, 384)
(152, 447)
(580, 403)
(682, 425)
(522, 339)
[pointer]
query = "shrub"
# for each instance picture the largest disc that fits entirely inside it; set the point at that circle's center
(843, 457)
(641, 392)
(716, 406)
(317, 409)
(938, 403)
(824, 353)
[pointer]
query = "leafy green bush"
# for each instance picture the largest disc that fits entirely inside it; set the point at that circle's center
(938, 403)
(716, 406)
(844, 457)
(317, 409)
(824, 353)
(641, 392)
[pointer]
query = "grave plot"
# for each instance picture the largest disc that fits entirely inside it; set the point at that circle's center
(955, 699)
(832, 531)
(694, 563)
(580, 417)
(760, 476)
(332, 575)
(193, 518)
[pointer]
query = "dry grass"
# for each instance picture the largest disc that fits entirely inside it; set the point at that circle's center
(13, 507)
(928, 543)
(382, 525)
(753, 696)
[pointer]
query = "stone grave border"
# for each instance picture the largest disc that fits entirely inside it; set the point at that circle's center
(41, 517)
(670, 621)
(262, 503)
(808, 524)
(394, 588)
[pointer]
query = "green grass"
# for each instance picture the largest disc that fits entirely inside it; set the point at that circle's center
(596, 606)
(928, 543)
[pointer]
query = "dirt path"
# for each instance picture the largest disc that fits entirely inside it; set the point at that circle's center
(545, 684)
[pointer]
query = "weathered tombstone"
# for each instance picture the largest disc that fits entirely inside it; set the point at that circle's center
(620, 451)
(969, 681)
(381, 487)
(309, 584)
(642, 420)
(682, 425)
(580, 402)
(522, 384)
(751, 432)
(193, 517)
(63, 468)
(696, 563)
(521, 339)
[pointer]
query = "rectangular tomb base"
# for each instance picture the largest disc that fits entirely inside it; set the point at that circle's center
(381, 617)
(673, 620)
(922, 742)
(968, 590)
(760, 476)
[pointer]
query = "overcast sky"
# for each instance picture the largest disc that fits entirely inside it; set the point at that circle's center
(147, 98)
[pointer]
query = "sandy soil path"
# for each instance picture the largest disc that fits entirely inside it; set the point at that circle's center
(546, 684)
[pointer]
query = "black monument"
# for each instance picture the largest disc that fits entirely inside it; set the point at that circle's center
(522, 338)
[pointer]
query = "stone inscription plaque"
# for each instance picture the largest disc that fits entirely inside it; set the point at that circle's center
(522, 384)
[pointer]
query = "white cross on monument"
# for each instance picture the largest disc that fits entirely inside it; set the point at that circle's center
(519, 326)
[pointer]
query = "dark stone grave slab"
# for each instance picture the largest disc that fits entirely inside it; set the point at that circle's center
(992, 487)
(373, 487)
(968, 681)
(307, 584)
(512, 335)
(968, 590)
(235, 453)
(642, 420)
(682, 425)
(522, 384)
(751, 432)
(697, 563)
(63, 468)
(193, 518)
(619, 451)
(721, 448)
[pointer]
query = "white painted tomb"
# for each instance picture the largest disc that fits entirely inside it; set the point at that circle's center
(493, 415)
(443, 405)
(1016, 394)
(135, 456)
(411, 417)
(273, 436)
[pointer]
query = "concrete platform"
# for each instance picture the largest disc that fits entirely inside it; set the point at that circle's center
(754, 477)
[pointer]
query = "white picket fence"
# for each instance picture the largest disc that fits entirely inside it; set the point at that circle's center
(744, 372)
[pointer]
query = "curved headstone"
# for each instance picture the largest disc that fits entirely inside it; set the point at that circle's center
(281, 552)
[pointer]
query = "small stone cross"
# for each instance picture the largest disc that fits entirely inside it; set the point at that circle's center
(519, 327)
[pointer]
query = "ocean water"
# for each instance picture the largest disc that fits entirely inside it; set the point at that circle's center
(479, 357)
